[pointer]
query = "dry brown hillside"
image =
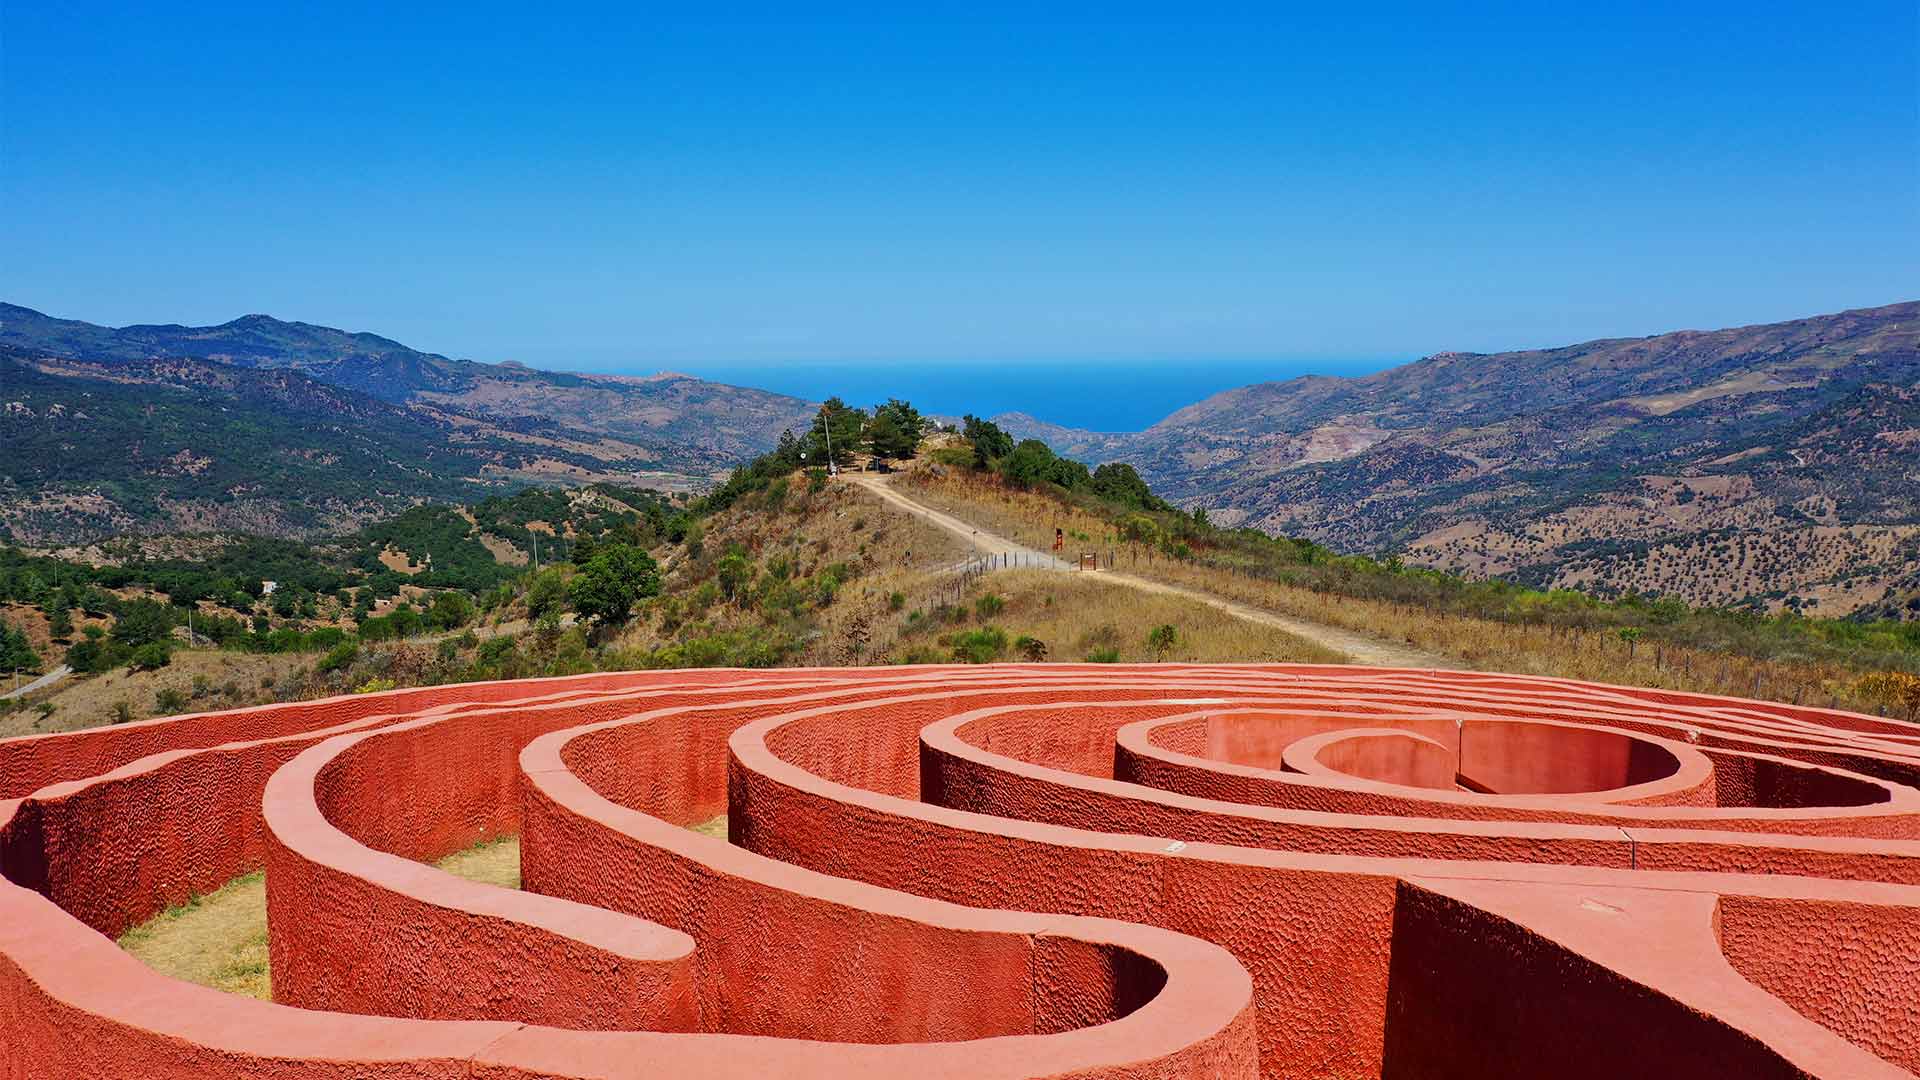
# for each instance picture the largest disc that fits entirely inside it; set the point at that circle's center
(1776, 464)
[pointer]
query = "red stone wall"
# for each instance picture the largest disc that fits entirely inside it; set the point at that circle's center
(1010, 871)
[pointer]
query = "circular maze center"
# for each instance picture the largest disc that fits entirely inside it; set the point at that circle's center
(1497, 758)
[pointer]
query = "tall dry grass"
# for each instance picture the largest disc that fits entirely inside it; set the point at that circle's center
(1081, 616)
(1483, 644)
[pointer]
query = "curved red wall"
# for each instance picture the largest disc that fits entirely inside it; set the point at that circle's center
(1010, 871)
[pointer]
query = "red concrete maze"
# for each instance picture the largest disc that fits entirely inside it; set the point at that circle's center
(1002, 871)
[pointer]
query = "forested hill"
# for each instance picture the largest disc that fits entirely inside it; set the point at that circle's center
(94, 450)
(292, 429)
(689, 424)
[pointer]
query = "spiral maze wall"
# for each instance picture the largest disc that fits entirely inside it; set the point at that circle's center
(1088, 871)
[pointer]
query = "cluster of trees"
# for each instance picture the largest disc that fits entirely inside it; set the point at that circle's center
(605, 586)
(892, 431)
(439, 541)
(449, 611)
(234, 577)
(447, 546)
(1031, 463)
(258, 428)
(141, 638)
(609, 545)
(16, 652)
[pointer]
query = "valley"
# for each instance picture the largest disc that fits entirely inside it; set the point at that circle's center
(333, 511)
(949, 558)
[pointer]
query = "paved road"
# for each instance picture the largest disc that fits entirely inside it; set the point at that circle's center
(48, 679)
(1359, 648)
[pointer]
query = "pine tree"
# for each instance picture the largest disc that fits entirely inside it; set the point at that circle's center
(16, 652)
(59, 618)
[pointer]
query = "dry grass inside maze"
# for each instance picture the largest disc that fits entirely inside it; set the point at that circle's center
(217, 940)
(220, 939)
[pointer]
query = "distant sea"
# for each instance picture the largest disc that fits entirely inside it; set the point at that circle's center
(1126, 396)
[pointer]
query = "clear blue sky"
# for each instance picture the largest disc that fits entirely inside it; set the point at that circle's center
(620, 188)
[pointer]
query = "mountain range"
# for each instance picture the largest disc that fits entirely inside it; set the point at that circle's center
(294, 429)
(1775, 464)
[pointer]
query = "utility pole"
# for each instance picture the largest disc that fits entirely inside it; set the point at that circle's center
(827, 430)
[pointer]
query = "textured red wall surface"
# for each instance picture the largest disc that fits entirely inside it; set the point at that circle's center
(1008, 871)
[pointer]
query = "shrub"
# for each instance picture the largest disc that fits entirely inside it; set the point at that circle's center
(953, 457)
(547, 592)
(495, 649)
(1161, 639)
(451, 610)
(734, 571)
(1106, 655)
(93, 653)
(1103, 637)
(1031, 649)
(1896, 690)
(150, 657)
(896, 601)
(755, 648)
(988, 606)
(776, 494)
(121, 713)
(338, 658)
(703, 597)
(982, 646)
(374, 686)
(168, 700)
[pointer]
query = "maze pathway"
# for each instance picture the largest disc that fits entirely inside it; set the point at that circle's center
(1005, 871)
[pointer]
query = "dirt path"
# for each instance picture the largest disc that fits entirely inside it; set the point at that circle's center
(1359, 648)
(984, 542)
(48, 679)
